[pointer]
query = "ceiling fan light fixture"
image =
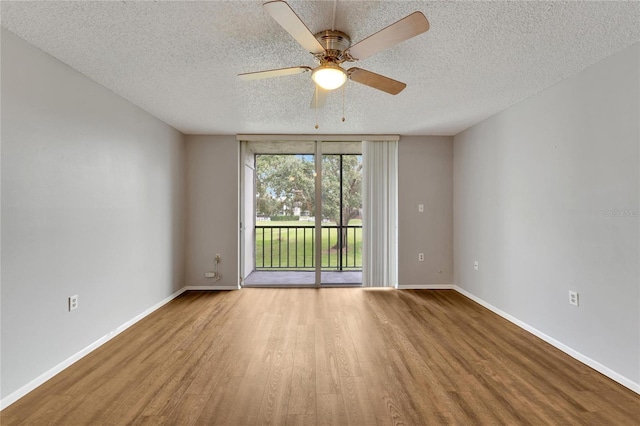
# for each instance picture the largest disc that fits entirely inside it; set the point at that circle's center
(329, 76)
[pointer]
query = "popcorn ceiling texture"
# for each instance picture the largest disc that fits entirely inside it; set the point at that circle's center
(179, 60)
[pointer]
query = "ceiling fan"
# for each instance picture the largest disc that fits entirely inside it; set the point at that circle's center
(332, 48)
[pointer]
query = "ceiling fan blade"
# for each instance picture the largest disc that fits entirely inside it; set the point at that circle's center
(404, 29)
(287, 18)
(377, 81)
(319, 97)
(273, 73)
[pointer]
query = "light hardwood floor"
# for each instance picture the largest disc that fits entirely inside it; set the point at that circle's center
(344, 356)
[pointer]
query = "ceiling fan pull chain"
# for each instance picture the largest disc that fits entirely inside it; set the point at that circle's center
(343, 96)
(316, 87)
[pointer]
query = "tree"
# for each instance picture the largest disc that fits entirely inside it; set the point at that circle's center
(286, 179)
(289, 180)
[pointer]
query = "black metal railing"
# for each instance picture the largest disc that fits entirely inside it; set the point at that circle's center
(293, 247)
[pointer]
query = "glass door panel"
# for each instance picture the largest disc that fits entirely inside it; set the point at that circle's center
(341, 213)
(284, 216)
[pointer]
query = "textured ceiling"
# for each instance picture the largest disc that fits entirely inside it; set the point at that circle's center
(179, 60)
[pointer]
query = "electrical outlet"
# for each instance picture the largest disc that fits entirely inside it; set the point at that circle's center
(421, 208)
(420, 257)
(210, 275)
(73, 302)
(573, 298)
(476, 265)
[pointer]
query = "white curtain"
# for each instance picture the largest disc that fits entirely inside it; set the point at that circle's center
(380, 213)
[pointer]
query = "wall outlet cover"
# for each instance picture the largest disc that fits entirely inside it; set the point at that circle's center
(73, 302)
(573, 298)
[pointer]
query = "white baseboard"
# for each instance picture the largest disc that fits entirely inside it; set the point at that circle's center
(624, 381)
(425, 286)
(210, 288)
(13, 397)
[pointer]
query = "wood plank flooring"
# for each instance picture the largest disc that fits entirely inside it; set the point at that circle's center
(334, 356)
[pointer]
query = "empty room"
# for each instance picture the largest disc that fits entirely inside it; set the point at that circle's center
(320, 212)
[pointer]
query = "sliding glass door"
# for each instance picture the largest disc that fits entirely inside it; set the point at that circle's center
(302, 218)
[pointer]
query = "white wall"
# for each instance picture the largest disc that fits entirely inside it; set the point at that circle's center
(92, 204)
(425, 176)
(212, 209)
(546, 198)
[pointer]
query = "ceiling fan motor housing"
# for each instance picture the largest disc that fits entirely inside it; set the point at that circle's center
(334, 43)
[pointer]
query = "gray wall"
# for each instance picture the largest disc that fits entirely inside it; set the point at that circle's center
(212, 209)
(92, 204)
(547, 199)
(425, 176)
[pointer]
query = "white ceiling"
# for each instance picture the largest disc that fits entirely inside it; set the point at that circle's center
(179, 60)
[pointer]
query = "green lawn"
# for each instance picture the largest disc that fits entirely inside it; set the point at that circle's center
(283, 247)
